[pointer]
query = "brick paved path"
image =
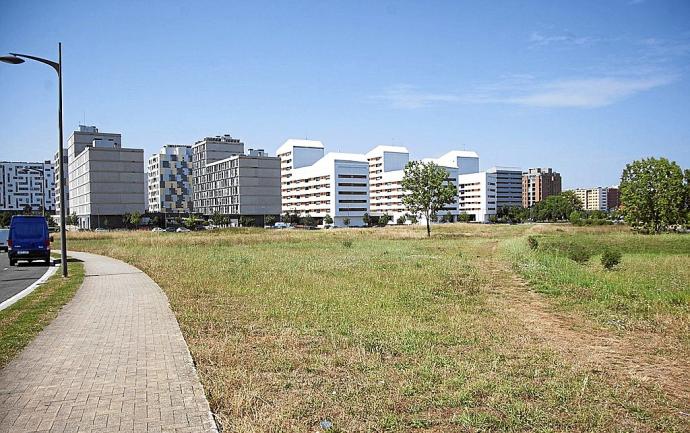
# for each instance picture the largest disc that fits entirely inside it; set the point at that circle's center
(113, 360)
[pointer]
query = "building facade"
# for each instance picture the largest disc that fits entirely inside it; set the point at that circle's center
(336, 184)
(613, 198)
(508, 186)
(27, 184)
(386, 172)
(105, 180)
(539, 183)
(65, 171)
(477, 195)
(208, 151)
(170, 180)
(241, 185)
(592, 198)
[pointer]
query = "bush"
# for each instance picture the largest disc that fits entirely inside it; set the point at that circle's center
(578, 253)
(347, 243)
(532, 242)
(401, 219)
(610, 258)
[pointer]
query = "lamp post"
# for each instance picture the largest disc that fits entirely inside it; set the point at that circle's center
(15, 59)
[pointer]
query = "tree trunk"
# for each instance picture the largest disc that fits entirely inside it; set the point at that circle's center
(428, 226)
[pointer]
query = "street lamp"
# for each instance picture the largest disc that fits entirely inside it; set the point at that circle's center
(15, 59)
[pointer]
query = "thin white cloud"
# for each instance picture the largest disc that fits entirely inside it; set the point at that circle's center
(538, 39)
(568, 93)
(409, 97)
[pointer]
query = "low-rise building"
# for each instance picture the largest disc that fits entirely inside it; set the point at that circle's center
(106, 180)
(170, 179)
(337, 184)
(539, 183)
(27, 184)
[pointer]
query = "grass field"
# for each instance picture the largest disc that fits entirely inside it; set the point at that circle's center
(385, 330)
(22, 321)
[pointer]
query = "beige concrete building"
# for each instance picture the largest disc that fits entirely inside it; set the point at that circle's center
(105, 180)
(539, 183)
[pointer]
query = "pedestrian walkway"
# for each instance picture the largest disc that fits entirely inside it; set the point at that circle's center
(113, 360)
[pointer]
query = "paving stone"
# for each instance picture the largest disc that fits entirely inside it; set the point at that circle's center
(113, 360)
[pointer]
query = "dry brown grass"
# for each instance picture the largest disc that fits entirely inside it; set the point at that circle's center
(377, 330)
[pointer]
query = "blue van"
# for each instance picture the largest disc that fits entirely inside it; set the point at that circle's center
(28, 239)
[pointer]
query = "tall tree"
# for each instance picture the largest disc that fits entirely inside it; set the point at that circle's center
(428, 189)
(653, 194)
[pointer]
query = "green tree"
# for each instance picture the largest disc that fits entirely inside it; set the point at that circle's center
(384, 220)
(654, 194)
(327, 219)
(429, 189)
(191, 221)
(269, 220)
(50, 219)
(135, 218)
(464, 217)
(448, 217)
(72, 219)
(366, 219)
(309, 221)
(346, 221)
(246, 221)
(5, 218)
(575, 218)
(217, 218)
(401, 220)
(556, 207)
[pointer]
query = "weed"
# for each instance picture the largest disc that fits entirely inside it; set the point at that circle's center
(610, 258)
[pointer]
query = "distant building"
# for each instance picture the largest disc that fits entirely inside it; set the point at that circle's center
(106, 180)
(170, 180)
(335, 184)
(457, 163)
(508, 186)
(539, 183)
(65, 170)
(228, 182)
(25, 184)
(386, 172)
(613, 197)
(477, 195)
(592, 198)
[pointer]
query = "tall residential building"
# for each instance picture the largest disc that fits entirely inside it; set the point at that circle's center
(508, 186)
(336, 184)
(105, 180)
(65, 169)
(27, 184)
(386, 172)
(477, 195)
(593, 198)
(207, 151)
(613, 198)
(170, 179)
(539, 183)
(457, 163)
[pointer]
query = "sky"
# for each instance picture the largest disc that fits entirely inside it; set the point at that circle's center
(584, 87)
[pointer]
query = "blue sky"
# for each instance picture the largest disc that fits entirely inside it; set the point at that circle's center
(583, 87)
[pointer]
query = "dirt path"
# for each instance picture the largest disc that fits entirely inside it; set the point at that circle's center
(583, 342)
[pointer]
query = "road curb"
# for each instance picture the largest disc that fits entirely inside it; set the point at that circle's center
(49, 273)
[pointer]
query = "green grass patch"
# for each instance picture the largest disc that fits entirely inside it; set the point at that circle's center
(22, 321)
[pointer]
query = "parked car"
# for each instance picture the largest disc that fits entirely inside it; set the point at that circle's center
(182, 230)
(28, 239)
(4, 233)
(100, 229)
(171, 229)
(157, 229)
(281, 225)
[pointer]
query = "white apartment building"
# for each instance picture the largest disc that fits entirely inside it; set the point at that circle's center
(335, 184)
(508, 186)
(65, 169)
(477, 195)
(105, 179)
(27, 184)
(386, 172)
(170, 179)
(593, 198)
(457, 163)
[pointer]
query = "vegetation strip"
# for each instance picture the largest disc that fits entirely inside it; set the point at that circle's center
(23, 320)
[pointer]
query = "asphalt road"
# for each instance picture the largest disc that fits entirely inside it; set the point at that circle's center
(17, 278)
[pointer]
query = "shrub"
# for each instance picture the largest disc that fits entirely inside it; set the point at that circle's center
(575, 218)
(578, 253)
(346, 221)
(347, 243)
(532, 242)
(401, 219)
(610, 258)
